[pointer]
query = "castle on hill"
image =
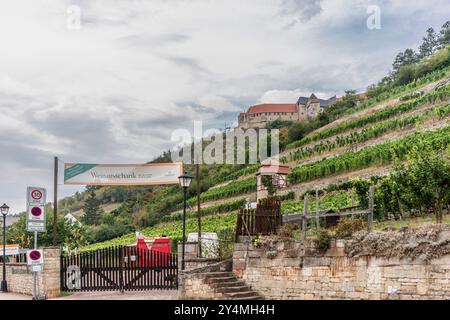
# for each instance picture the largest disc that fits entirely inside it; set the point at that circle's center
(259, 115)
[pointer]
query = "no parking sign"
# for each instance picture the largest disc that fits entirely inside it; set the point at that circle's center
(36, 213)
(35, 256)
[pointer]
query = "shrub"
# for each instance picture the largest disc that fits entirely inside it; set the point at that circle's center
(286, 231)
(322, 239)
(346, 227)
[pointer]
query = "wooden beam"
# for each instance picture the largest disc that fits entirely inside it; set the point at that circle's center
(371, 203)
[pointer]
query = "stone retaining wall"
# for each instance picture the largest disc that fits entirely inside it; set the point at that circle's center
(333, 275)
(20, 278)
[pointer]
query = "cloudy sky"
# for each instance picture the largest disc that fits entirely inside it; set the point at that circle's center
(114, 89)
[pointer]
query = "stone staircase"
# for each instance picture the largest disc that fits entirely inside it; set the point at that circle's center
(227, 284)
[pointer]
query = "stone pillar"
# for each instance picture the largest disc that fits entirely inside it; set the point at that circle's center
(190, 252)
(51, 273)
(239, 258)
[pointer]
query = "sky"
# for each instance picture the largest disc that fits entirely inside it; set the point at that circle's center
(104, 81)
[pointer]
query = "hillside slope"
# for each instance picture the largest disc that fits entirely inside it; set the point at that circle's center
(363, 140)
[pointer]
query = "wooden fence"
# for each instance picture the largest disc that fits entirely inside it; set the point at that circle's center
(302, 218)
(263, 220)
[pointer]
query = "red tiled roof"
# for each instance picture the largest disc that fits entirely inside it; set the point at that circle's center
(273, 107)
(273, 167)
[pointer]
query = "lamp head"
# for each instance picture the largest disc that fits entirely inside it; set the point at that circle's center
(4, 209)
(185, 180)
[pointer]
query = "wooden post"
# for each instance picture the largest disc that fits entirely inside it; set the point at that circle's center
(370, 215)
(304, 221)
(55, 203)
(353, 205)
(317, 210)
(199, 211)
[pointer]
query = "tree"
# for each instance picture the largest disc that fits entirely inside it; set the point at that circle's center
(404, 58)
(298, 130)
(444, 35)
(425, 182)
(430, 44)
(91, 208)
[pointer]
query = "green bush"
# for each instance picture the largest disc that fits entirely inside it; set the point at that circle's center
(322, 239)
(346, 227)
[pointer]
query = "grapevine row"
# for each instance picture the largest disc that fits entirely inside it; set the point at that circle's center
(380, 154)
(370, 133)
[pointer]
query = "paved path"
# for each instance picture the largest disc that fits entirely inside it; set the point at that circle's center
(116, 295)
(13, 296)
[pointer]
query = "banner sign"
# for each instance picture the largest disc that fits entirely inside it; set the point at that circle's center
(10, 250)
(122, 174)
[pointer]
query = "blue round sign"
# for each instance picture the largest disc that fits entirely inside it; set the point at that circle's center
(36, 211)
(35, 255)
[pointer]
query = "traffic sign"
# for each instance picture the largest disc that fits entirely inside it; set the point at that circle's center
(36, 268)
(36, 196)
(36, 226)
(36, 213)
(35, 256)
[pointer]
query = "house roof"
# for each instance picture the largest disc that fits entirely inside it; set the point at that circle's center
(271, 166)
(273, 107)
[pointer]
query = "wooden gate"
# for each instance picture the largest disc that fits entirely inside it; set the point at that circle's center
(119, 268)
(263, 220)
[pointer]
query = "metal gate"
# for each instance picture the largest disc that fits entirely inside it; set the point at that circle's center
(119, 268)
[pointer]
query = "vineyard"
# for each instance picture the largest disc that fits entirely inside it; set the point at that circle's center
(217, 209)
(401, 90)
(381, 154)
(435, 113)
(232, 189)
(335, 201)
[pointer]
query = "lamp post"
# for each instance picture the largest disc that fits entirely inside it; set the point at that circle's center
(185, 181)
(4, 211)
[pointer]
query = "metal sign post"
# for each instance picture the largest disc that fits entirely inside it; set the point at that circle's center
(36, 198)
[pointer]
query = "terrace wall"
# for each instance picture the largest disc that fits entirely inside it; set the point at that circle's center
(334, 275)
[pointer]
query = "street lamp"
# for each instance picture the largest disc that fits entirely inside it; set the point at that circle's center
(185, 180)
(4, 211)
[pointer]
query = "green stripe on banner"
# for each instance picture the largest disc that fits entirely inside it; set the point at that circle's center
(77, 169)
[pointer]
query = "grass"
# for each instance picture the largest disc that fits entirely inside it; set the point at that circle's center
(414, 222)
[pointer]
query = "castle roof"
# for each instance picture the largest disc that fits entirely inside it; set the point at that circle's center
(273, 107)
(313, 98)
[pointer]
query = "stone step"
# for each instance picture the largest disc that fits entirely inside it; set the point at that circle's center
(219, 274)
(243, 294)
(233, 289)
(220, 279)
(256, 297)
(227, 284)
(230, 286)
